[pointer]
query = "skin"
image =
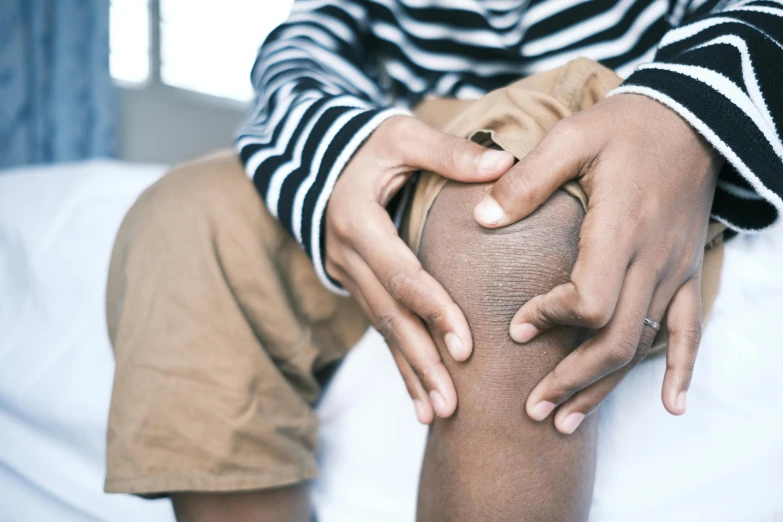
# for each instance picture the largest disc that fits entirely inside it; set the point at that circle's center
(650, 180)
(287, 504)
(365, 254)
(488, 461)
(647, 173)
(545, 475)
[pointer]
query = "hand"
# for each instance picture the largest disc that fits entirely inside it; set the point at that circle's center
(650, 180)
(365, 254)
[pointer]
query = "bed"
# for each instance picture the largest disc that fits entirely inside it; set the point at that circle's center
(722, 461)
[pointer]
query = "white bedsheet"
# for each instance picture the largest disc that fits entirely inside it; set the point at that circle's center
(57, 225)
(722, 461)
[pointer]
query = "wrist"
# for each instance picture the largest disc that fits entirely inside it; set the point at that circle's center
(679, 135)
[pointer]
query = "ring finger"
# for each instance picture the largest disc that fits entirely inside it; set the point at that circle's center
(612, 348)
(571, 413)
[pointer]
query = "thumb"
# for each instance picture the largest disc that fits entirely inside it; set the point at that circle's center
(528, 184)
(424, 148)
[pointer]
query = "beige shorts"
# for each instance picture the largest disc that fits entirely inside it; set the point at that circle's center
(222, 333)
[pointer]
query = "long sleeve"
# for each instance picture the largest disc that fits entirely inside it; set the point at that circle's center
(722, 71)
(318, 97)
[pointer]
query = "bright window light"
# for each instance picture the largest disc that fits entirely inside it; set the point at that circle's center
(209, 46)
(129, 40)
(205, 45)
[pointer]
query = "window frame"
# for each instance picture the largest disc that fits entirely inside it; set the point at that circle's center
(154, 84)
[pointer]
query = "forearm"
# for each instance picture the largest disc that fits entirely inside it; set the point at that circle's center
(720, 72)
(490, 461)
(318, 99)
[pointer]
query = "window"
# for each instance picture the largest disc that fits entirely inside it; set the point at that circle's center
(197, 45)
(129, 41)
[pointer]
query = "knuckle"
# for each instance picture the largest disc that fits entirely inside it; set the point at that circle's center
(594, 310)
(435, 317)
(341, 226)
(563, 384)
(425, 372)
(398, 127)
(621, 352)
(566, 129)
(448, 156)
(389, 326)
(518, 184)
(540, 310)
(402, 285)
(394, 138)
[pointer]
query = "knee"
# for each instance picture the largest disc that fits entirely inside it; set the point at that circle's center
(192, 191)
(490, 274)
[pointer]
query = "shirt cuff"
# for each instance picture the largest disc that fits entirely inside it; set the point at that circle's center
(344, 146)
(748, 197)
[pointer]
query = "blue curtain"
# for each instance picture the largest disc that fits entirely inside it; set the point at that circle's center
(57, 101)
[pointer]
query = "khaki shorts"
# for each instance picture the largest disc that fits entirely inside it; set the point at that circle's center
(223, 335)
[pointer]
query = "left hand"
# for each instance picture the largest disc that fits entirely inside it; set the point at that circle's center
(650, 180)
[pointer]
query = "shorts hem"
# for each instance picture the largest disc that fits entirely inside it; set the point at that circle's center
(163, 485)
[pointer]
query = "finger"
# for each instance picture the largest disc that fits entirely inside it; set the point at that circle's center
(403, 277)
(611, 349)
(590, 297)
(558, 158)
(425, 148)
(572, 412)
(405, 332)
(421, 402)
(683, 322)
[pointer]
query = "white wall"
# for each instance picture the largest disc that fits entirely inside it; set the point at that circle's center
(161, 124)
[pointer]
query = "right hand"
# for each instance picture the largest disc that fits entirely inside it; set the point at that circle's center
(365, 254)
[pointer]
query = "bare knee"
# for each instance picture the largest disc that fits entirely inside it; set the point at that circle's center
(489, 459)
(490, 274)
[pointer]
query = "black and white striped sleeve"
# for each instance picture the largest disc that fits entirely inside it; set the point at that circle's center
(722, 71)
(317, 100)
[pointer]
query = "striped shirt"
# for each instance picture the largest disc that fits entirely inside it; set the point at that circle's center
(336, 69)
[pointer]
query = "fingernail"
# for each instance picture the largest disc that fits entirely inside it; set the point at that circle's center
(541, 410)
(438, 402)
(456, 346)
(572, 422)
(681, 402)
(492, 159)
(488, 212)
(420, 410)
(524, 332)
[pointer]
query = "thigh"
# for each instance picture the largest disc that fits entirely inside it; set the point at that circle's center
(219, 328)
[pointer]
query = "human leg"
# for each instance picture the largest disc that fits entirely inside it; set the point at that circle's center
(221, 333)
(490, 461)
